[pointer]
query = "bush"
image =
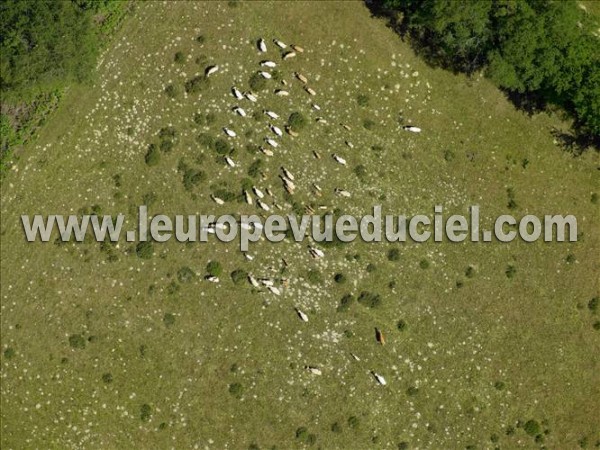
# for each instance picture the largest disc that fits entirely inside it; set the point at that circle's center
(206, 140)
(370, 299)
(166, 146)
(403, 445)
(424, 264)
(152, 157)
(361, 172)
(171, 91)
(345, 303)
(499, 385)
(9, 353)
(144, 250)
(197, 84)
(401, 325)
(297, 121)
(179, 58)
(532, 427)
(201, 39)
(239, 276)
(339, 278)
(510, 271)
(593, 304)
(371, 267)
(193, 177)
(199, 119)
(169, 320)
(77, 341)
(257, 82)
(301, 433)
(470, 272)
(412, 391)
(107, 377)
(255, 168)
(214, 268)
(362, 100)
(185, 275)
(145, 412)
(393, 254)
(236, 389)
(221, 147)
(314, 276)
(368, 124)
(353, 422)
(167, 133)
(336, 428)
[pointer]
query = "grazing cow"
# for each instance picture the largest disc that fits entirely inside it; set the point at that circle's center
(297, 48)
(229, 161)
(291, 132)
(289, 55)
(349, 144)
(379, 337)
(239, 111)
(379, 378)
(346, 127)
(287, 173)
(253, 281)
(276, 130)
(321, 120)
(271, 142)
(309, 90)
(236, 93)
(248, 197)
(317, 187)
(269, 192)
(342, 192)
(356, 358)
(302, 316)
(250, 96)
(262, 46)
(314, 370)
(211, 278)
(266, 282)
(301, 77)
(268, 64)
(316, 107)
(229, 132)
(281, 93)
(262, 205)
(274, 290)
(339, 159)
(249, 258)
(412, 129)
(266, 75)
(210, 70)
(309, 210)
(271, 114)
(217, 200)
(266, 151)
(316, 154)
(279, 44)
(316, 252)
(258, 192)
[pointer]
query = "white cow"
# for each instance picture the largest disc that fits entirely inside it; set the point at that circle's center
(412, 129)
(229, 161)
(236, 93)
(276, 130)
(253, 281)
(268, 64)
(339, 159)
(302, 316)
(314, 370)
(217, 200)
(262, 46)
(287, 173)
(210, 70)
(229, 132)
(279, 44)
(266, 75)
(379, 378)
(258, 192)
(271, 114)
(239, 111)
(271, 142)
(250, 96)
(310, 91)
(281, 93)
(342, 192)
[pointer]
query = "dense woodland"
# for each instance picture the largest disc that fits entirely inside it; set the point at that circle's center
(542, 53)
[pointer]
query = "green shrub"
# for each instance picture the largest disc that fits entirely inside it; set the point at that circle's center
(200, 39)
(336, 428)
(179, 57)
(152, 157)
(255, 168)
(9, 353)
(401, 325)
(166, 146)
(185, 275)
(345, 303)
(510, 271)
(532, 427)
(403, 445)
(172, 91)
(167, 133)
(596, 325)
(339, 278)
(214, 268)
(197, 84)
(257, 82)
(470, 272)
(314, 276)
(412, 391)
(301, 433)
(424, 264)
(145, 412)
(370, 299)
(449, 155)
(371, 268)
(173, 288)
(361, 172)
(353, 422)
(193, 177)
(362, 100)
(206, 140)
(169, 320)
(239, 276)
(77, 341)
(236, 389)
(499, 385)
(221, 146)
(144, 250)
(368, 124)
(297, 121)
(107, 377)
(393, 254)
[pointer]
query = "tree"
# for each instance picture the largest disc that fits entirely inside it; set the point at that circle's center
(214, 268)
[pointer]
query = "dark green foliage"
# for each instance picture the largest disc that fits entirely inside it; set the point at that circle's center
(369, 124)
(169, 320)
(171, 90)
(197, 84)
(152, 157)
(166, 146)
(412, 391)
(297, 121)
(257, 82)
(301, 433)
(185, 275)
(336, 427)
(393, 254)
(214, 268)
(201, 39)
(371, 268)
(403, 445)
(239, 276)
(236, 389)
(361, 172)
(9, 353)
(340, 278)
(255, 168)
(541, 52)
(192, 177)
(345, 303)
(353, 422)
(532, 427)
(401, 325)
(225, 195)
(77, 341)
(593, 304)
(144, 250)
(44, 45)
(167, 133)
(570, 258)
(362, 100)
(145, 412)
(424, 264)
(510, 271)
(370, 299)
(470, 272)
(594, 198)
(499, 385)
(221, 146)
(596, 325)
(179, 57)
(314, 276)
(107, 377)
(206, 140)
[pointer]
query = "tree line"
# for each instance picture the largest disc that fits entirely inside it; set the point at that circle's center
(541, 52)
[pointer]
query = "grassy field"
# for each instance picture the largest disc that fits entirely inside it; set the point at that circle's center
(169, 362)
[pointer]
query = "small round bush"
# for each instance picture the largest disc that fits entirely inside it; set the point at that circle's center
(353, 422)
(145, 412)
(152, 157)
(257, 82)
(393, 254)
(301, 433)
(424, 264)
(297, 121)
(179, 57)
(77, 341)
(201, 39)
(222, 147)
(171, 91)
(401, 325)
(169, 319)
(239, 276)
(336, 428)
(339, 278)
(9, 353)
(236, 389)
(314, 276)
(510, 271)
(532, 427)
(144, 250)
(107, 377)
(593, 304)
(368, 124)
(362, 100)
(214, 268)
(345, 303)
(185, 275)
(371, 267)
